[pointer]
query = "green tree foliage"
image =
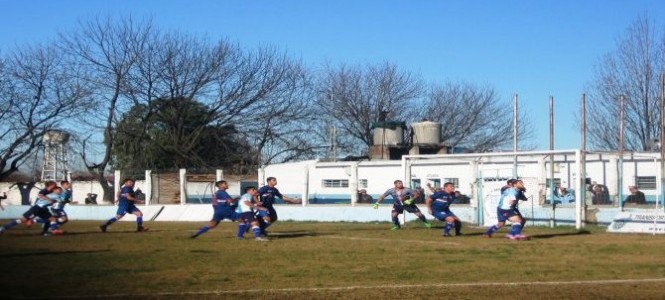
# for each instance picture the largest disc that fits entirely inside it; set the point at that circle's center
(177, 133)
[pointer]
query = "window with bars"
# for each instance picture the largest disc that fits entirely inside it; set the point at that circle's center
(646, 182)
(454, 181)
(335, 183)
(362, 183)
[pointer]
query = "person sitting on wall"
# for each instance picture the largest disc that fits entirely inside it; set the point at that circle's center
(461, 198)
(636, 196)
(363, 197)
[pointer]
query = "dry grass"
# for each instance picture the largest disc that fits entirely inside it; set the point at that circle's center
(328, 260)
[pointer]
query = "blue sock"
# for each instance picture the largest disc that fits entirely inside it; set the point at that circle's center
(202, 230)
(54, 226)
(139, 221)
(446, 230)
(492, 230)
(516, 229)
(256, 230)
(241, 229)
(110, 221)
(396, 221)
(11, 224)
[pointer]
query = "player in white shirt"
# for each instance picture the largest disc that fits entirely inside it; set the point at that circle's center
(246, 214)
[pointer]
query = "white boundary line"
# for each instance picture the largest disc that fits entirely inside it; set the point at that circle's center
(350, 288)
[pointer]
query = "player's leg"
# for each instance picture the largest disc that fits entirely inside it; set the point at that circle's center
(122, 210)
(501, 217)
(515, 228)
(216, 218)
(458, 225)
(28, 215)
(270, 217)
(139, 219)
(416, 211)
(256, 230)
(394, 216)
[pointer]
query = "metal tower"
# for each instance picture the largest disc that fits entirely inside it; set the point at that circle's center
(55, 155)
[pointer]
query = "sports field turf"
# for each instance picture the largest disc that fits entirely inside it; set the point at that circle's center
(328, 261)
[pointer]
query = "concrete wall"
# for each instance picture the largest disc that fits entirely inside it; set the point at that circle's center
(327, 213)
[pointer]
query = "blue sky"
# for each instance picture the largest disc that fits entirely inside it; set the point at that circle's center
(533, 48)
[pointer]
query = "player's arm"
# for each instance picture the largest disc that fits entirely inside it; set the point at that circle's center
(131, 197)
(288, 199)
(428, 203)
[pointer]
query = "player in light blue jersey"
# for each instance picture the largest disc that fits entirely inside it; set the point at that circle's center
(507, 211)
(40, 209)
(246, 217)
(404, 200)
(438, 205)
(58, 208)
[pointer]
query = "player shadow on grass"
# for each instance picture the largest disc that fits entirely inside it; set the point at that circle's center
(551, 235)
(49, 253)
(296, 234)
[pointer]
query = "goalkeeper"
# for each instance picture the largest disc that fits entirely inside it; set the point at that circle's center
(403, 200)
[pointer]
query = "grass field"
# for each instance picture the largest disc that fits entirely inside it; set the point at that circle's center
(328, 261)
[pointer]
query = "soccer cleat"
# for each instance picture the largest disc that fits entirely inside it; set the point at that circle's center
(102, 228)
(376, 205)
(194, 236)
(512, 237)
(447, 235)
(522, 237)
(395, 227)
(142, 229)
(57, 232)
(261, 239)
(46, 234)
(458, 234)
(427, 225)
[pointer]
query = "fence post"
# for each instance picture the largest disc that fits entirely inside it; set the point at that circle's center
(116, 184)
(183, 185)
(148, 186)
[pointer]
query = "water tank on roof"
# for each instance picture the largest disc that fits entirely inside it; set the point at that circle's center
(426, 133)
(55, 136)
(388, 133)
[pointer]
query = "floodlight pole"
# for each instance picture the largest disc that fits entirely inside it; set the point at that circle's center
(620, 169)
(553, 220)
(662, 139)
(515, 132)
(582, 176)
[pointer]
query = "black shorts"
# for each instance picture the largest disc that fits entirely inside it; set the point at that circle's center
(398, 208)
(37, 211)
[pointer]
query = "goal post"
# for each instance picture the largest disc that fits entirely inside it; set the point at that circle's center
(481, 175)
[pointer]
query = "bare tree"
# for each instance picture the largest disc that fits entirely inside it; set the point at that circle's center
(106, 51)
(632, 70)
(354, 98)
(38, 92)
(471, 116)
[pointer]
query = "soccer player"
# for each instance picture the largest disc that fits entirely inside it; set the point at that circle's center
(58, 208)
(267, 193)
(222, 204)
(39, 210)
(506, 211)
(245, 213)
(127, 204)
(438, 205)
(404, 200)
